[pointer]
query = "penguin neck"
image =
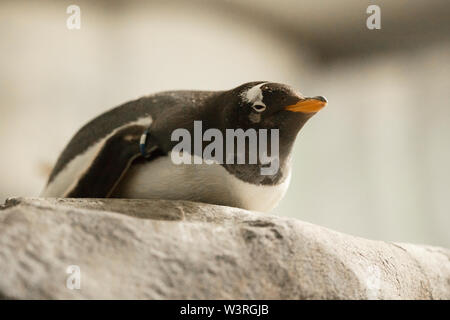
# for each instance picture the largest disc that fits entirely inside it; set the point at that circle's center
(289, 132)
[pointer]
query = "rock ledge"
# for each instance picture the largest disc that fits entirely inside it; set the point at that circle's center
(157, 249)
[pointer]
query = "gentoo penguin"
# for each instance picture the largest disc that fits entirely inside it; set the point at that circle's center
(127, 152)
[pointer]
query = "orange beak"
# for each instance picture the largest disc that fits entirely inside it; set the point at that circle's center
(308, 105)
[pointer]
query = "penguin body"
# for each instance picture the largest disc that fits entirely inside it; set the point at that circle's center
(209, 183)
(107, 157)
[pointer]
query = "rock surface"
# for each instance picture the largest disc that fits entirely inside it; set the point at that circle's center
(156, 249)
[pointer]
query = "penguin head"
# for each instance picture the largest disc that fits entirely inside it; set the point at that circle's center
(268, 105)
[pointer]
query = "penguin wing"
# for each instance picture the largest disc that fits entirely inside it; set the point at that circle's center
(110, 165)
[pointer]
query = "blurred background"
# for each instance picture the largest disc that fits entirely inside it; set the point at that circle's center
(375, 162)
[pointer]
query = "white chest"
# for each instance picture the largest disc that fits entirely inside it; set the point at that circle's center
(162, 179)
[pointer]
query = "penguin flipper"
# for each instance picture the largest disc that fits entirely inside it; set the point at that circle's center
(110, 164)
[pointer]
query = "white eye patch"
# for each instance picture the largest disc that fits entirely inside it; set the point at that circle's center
(254, 95)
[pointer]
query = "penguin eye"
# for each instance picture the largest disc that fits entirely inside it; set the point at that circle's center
(259, 107)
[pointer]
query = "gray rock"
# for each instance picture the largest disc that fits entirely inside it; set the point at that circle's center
(157, 249)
